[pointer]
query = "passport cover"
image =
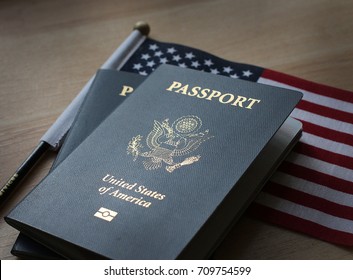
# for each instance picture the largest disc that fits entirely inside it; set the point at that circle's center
(160, 177)
(109, 89)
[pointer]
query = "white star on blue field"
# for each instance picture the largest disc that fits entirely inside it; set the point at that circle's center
(153, 53)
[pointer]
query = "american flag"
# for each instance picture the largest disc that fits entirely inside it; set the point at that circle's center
(312, 191)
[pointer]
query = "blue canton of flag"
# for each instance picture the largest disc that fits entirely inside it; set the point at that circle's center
(152, 53)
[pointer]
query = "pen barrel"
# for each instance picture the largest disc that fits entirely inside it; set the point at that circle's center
(22, 171)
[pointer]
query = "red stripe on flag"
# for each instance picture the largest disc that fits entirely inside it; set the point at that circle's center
(325, 111)
(309, 200)
(300, 225)
(327, 133)
(320, 89)
(324, 155)
(316, 177)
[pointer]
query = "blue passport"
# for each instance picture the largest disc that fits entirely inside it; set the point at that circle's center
(163, 176)
(109, 89)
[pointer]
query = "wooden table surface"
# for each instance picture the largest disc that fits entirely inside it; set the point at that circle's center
(49, 49)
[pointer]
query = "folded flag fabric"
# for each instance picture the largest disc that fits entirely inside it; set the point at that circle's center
(312, 191)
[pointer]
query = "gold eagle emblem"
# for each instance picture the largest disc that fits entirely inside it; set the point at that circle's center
(167, 141)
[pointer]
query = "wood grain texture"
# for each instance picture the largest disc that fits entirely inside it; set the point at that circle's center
(49, 49)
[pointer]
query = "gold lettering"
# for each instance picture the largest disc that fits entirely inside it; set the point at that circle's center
(105, 178)
(183, 90)
(114, 193)
(204, 93)
(146, 204)
(121, 196)
(112, 180)
(174, 85)
(195, 91)
(231, 98)
(8, 184)
(239, 101)
(210, 94)
(134, 199)
(160, 196)
(125, 90)
(142, 190)
(130, 187)
(214, 94)
(145, 191)
(252, 103)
